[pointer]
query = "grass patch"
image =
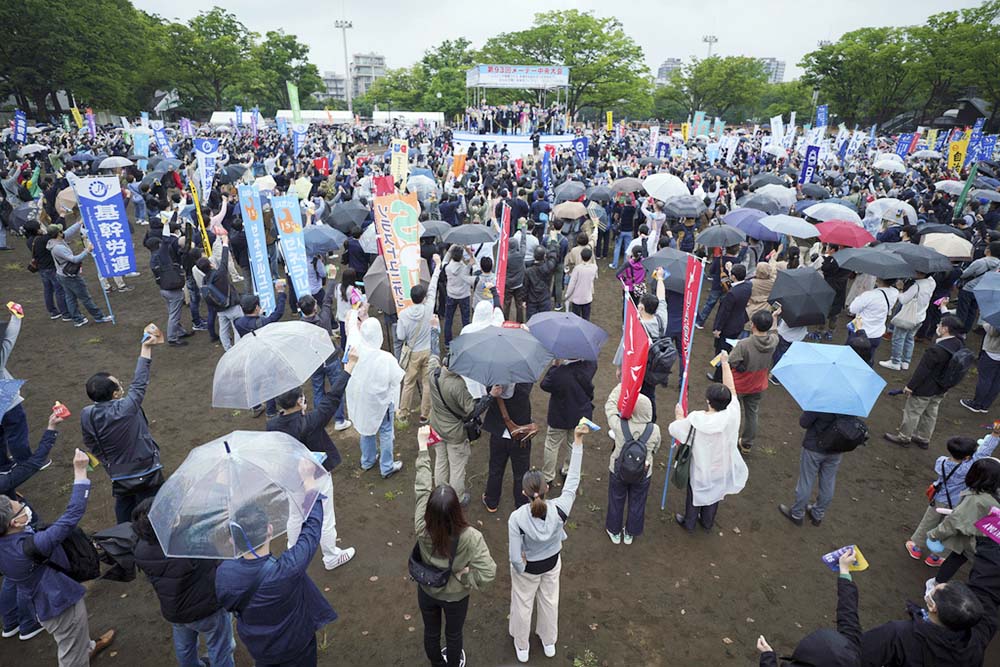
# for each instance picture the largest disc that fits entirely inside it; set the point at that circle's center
(588, 659)
(96, 340)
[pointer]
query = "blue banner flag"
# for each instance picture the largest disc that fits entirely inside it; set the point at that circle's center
(547, 175)
(712, 152)
(282, 126)
(942, 141)
(822, 114)
(809, 165)
(288, 217)
(140, 145)
(975, 137)
(144, 118)
(253, 121)
(580, 146)
(239, 116)
(160, 135)
(20, 127)
(253, 226)
(871, 136)
(662, 150)
(91, 124)
(987, 144)
(207, 152)
(903, 144)
(298, 138)
(186, 127)
(102, 209)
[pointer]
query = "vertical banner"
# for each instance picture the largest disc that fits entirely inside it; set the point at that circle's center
(399, 166)
(398, 229)
(777, 130)
(91, 124)
(974, 138)
(65, 122)
(635, 346)
(162, 144)
(685, 131)
(654, 138)
(987, 145)
(518, 167)
(293, 102)
(547, 175)
(502, 250)
(942, 142)
(822, 115)
(288, 217)
(77, 118)
(580, 148)
(206, 151)
(140, 144)
(903, 142)
(322, 165)
(662, 150)
(956, 154)
(186, 127)
(254, 114)
(458, 166)
(960, 204)
(809, 164)
(144, 119)
(298, 138)
(383, 185)
(282, 125)
(20, 127)
(102, 209)
(718, 127)
(239, 115)
(699, 120)
(610, 122)
(253, 226)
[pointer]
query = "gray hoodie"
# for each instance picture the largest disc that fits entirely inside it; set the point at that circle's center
(414, 325)
(533, 539)
(61, 253)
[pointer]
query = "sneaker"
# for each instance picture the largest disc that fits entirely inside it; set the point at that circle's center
(200, 326)
(933, 561)
(813, 335)
(922, 444)
(810, 510)
(66, 318)
(897, 439)
(905, 366)
(102, 643)
(444, 654)
(80, 323)
(134, 274)
(127, 288)
(969, 405)
(549, 650)
(105, 320)
(699, 326)
(55, 317)
(828, 335)
(177, 343)
(491, 510)
(11, 632)
(890, 364)
(343, 426)
(396, 467)
(627, 539)
(612, 266)
(258, 411)
(338, 560)
(522, 654)
(914, 551)
(31, 632)
(745, 448)
(616, 538)
(45, 465)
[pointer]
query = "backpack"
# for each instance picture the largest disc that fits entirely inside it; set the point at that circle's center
(631, 464)
(958, 365)
(843, 435)
(661, 357)
(169, 275)
(81, 554)
(212, 294)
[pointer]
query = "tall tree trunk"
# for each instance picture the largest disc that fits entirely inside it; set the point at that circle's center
(54, 94)
(38, 97)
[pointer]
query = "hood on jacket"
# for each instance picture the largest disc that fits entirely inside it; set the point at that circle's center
(824, 648)
(763, 271)
(415, 314)
(765, 343)
(541, 530)
(642, 413)
(709, 422)
(371, 333)
(943, 645)
(483, 316)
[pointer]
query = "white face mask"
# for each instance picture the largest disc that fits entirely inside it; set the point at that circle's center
(928, 600)
(28, 513)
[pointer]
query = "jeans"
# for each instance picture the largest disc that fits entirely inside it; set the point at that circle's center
(125, 504)
(454, 618)
(704, 514)
(55, 297)
(501, 450)
(175, 304)
(385, 440)
(988, 384)
(328, 372)
(583, 309)
(902, 344)
(76, 292)
(16, 612)
(449, 316)
(14, 436)
(968, 309)
(621, 245)
(713, 298)
(813, 466)
(194, 298)
(218, 632)
(750, 405)
(620, 493)
(603, 243)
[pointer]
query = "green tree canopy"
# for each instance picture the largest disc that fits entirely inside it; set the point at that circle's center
(717, 85)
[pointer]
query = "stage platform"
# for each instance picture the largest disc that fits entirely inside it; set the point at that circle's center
(519, 145)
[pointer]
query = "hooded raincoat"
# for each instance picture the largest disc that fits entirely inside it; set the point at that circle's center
(377, 377)
(717, 469)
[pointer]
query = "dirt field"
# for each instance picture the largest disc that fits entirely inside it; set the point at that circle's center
(670, 598)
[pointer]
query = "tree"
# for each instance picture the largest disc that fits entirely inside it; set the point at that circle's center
(782, 98)
(715, 85)
(401, 89)
(444, 69)
(277, 59)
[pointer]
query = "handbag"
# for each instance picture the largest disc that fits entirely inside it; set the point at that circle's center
(906, 318)
(426, 574)
(404, 356)
(521, 434)
(682, 462)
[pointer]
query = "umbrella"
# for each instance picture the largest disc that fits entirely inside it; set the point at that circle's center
(8, 393)
(950, 187)
(804, 295)
(949, 245)
(684, 206)
(151, 178)
(23, 213)
(230, 173)
(829, 378)
(599, 193)
(775, 150)
(803, 204)
(788, 225)
(66, 200)
(646, 161)
(81, 157)
(422, 185)
(718, 173)
(988, 182)
(763, 203)
(989, 195)
(369, 240)
(322, 239)
(473, 234)
(267, 362)
(815, 191)
(760, 180)
(720, 236)
(569, 210)
(939, 229)
(30, 149)
(894, 210)
(784, 196)
(223, 498)
(927, 155)
(878, 263)
(570, 191)
(663, 185)
(790, 171)
(843, 233)
(115, 162)
(626, 185)
(674, 264)
(987, 293)
(497, 355)
(165, 164)
(888, 156)
(921, 258)
(377, 288)
(567, 336)
(347, 214)
(830, 211)
(422, 171)
(435, 227)
(890, 165)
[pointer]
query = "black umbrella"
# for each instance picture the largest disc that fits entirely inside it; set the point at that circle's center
(804, 295)
(684, 206)
(347, 214)
(921, 258)
(24, 213)
(674, 262)
(768, 205)
(874, 262)
(720, 236)
(939, 229)
(377, 289)
(435, 227)
(983, 193)
(720, 173)
(648, 161)
(230, 173)
(470, 235)
(816, 191)
(322, 239)
(790, 171)
(163, 165)
(599, 193)
(497, 355)
(760, 180)
(570, 191)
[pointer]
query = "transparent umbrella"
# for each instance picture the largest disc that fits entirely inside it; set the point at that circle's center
(221, 500)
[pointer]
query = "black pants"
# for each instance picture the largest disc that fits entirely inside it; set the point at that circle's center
(720, 345)
(502, 450)
(454, 617)
(705, 514)
(603, 241)
(125, 504)
(583, 310)
(307, 658)
(649, 391)
(950, 567)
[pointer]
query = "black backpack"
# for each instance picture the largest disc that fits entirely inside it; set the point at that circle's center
(631, 464)
(212, 294)
(958, 365)
(84, 561)
(661, 357)
(169, 275)
(845, 434)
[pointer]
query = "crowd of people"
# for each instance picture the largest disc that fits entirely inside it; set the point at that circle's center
(392, 372)
(525, 118)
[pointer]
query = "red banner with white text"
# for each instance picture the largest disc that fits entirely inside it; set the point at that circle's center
(501, 269)
(635, 345)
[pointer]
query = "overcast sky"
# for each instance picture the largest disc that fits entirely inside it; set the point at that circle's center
(402, 29)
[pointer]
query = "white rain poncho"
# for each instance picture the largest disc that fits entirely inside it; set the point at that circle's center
(375, 382)
(717, 469)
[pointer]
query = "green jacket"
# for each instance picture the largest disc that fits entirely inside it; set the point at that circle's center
(453, 399)
(472, 550)
(958, 530)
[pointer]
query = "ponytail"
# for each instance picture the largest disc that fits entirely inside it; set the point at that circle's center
(534, 487)
(539, 508)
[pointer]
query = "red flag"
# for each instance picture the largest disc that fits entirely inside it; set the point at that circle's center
(501, 271)
(384, 185)
(636, 349)
(551, 150)
(322, 165)
(692, 289)
(913, 142)
(518, 167)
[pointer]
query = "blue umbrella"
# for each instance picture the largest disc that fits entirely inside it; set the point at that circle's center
(829, 378)
(8, 393)
(567, 335)
(423, 171)
(987, 292)
(322, 239)
(748, 221)
(803, 204)
(82, 157)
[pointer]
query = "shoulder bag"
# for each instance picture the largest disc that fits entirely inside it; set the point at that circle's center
(473, 429)
(132, 476)
(426, 574)
(521, 434)
(682, 462)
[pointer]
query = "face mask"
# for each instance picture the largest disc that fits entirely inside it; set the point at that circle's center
(28, 514)
(928, 600)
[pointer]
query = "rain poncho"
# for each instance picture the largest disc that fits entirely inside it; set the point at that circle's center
(485, 315)
(375, 382)
(717, 469)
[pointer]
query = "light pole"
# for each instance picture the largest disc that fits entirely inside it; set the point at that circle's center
(710, 40)
(344, 25)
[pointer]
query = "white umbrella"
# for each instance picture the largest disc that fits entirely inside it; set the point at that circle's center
(894, 210)
(775, 150)
(785, 196)
(422, 185)
(951, 187)
(927, 155)
(890, 165)
(368, 240)
(115, 162)
(789, 225)
(32, 148)
(663, 185)
(824, 211)
(888, 156)
(268, 362)
(951, 246)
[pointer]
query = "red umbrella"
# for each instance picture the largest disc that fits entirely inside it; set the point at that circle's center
(843, 233)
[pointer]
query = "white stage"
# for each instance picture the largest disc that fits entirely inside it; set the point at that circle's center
(519, 145)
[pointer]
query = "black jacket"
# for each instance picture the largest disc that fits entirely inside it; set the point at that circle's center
(538, 277)
(732, 313)
(932, 364)
(828, 647)
(310, 428)
(185, 586)
(518, 407)
(815, 423)
(572, 393)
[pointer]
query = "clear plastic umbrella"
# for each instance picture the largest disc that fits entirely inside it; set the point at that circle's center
(267, 362)
(115, 162)
(784, 196)
(422, 185)
(663, 185)
(892, 209)
(221, 500)
(828, 211)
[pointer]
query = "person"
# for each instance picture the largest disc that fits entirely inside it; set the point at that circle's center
(923, 392)
(872, 308)
(763, 280)
(655, 217)
(55, 297)
(185, 588)
(751, 362)
(485, 286)
(56, 598)
(732, 315)
(786, 336)
(580, 291)
(967, 307)
(509, 405)
(641, 427)
(632, 276)
(914, 301)
(14, 447)
(535, 533)
(570, 385)
(623, 222)
(253, 317)
(719, 271)
(414, 330)
(373, 393)
(458, 271)
(446, 540)
(323, 317)
(227, 306)
(836, 277)
(165, 264)
(309, 428)
(538, 277)
(69, 266)
(988, 376)
(116, 430)
(828, 647)
(514, 293)
(278, 607)
(717, 469)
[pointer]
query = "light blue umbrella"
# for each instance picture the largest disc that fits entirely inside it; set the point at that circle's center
(322, 238)
(8, 393)
(829, 378)
(987, 292)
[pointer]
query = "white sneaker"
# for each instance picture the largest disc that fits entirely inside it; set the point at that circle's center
(550, 650)
(890, 364)
(396, 467)
(929, 585)
(522, 654)
(343, 426)
(616, 538)
(338, 560)
(904, 366)
(627, 539)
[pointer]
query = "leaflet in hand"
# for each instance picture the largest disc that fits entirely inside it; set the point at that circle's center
(832, 559)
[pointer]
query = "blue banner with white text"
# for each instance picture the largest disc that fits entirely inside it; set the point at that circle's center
(102, 209)
(288, 217)
(253, 227)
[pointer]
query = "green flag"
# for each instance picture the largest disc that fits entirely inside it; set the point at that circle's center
(293, 101)
(960, 205)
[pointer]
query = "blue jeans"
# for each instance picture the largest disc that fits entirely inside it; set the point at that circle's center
(713, 298)
(449, 316)
(55, 297)
(194, 296)
(988, 384)
(76, 292)
(218, 632)
(323, 374)
(385, 437)
(16, 612)
(14, 436)
(621, 244)
(902, 344)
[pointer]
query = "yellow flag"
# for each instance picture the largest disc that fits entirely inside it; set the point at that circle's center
(611, 121)
(956, 154)
(77, 117)
(931, 139)
(685, 130)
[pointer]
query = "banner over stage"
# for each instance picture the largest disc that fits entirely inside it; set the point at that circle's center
(518, 145)
(517, 76)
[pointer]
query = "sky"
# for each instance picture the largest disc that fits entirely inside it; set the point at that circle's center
(402, 30)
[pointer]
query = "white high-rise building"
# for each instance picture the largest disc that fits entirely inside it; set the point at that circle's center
(775, 69)
(335, 87)
(365, 68)
(667, 67)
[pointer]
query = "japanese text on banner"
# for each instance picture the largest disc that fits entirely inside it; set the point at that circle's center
(396, 224)
(253, 226)
(160, 135)
(399, 167)
(207, 151)
(20, 126)
(288, 217)
(102, 209)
